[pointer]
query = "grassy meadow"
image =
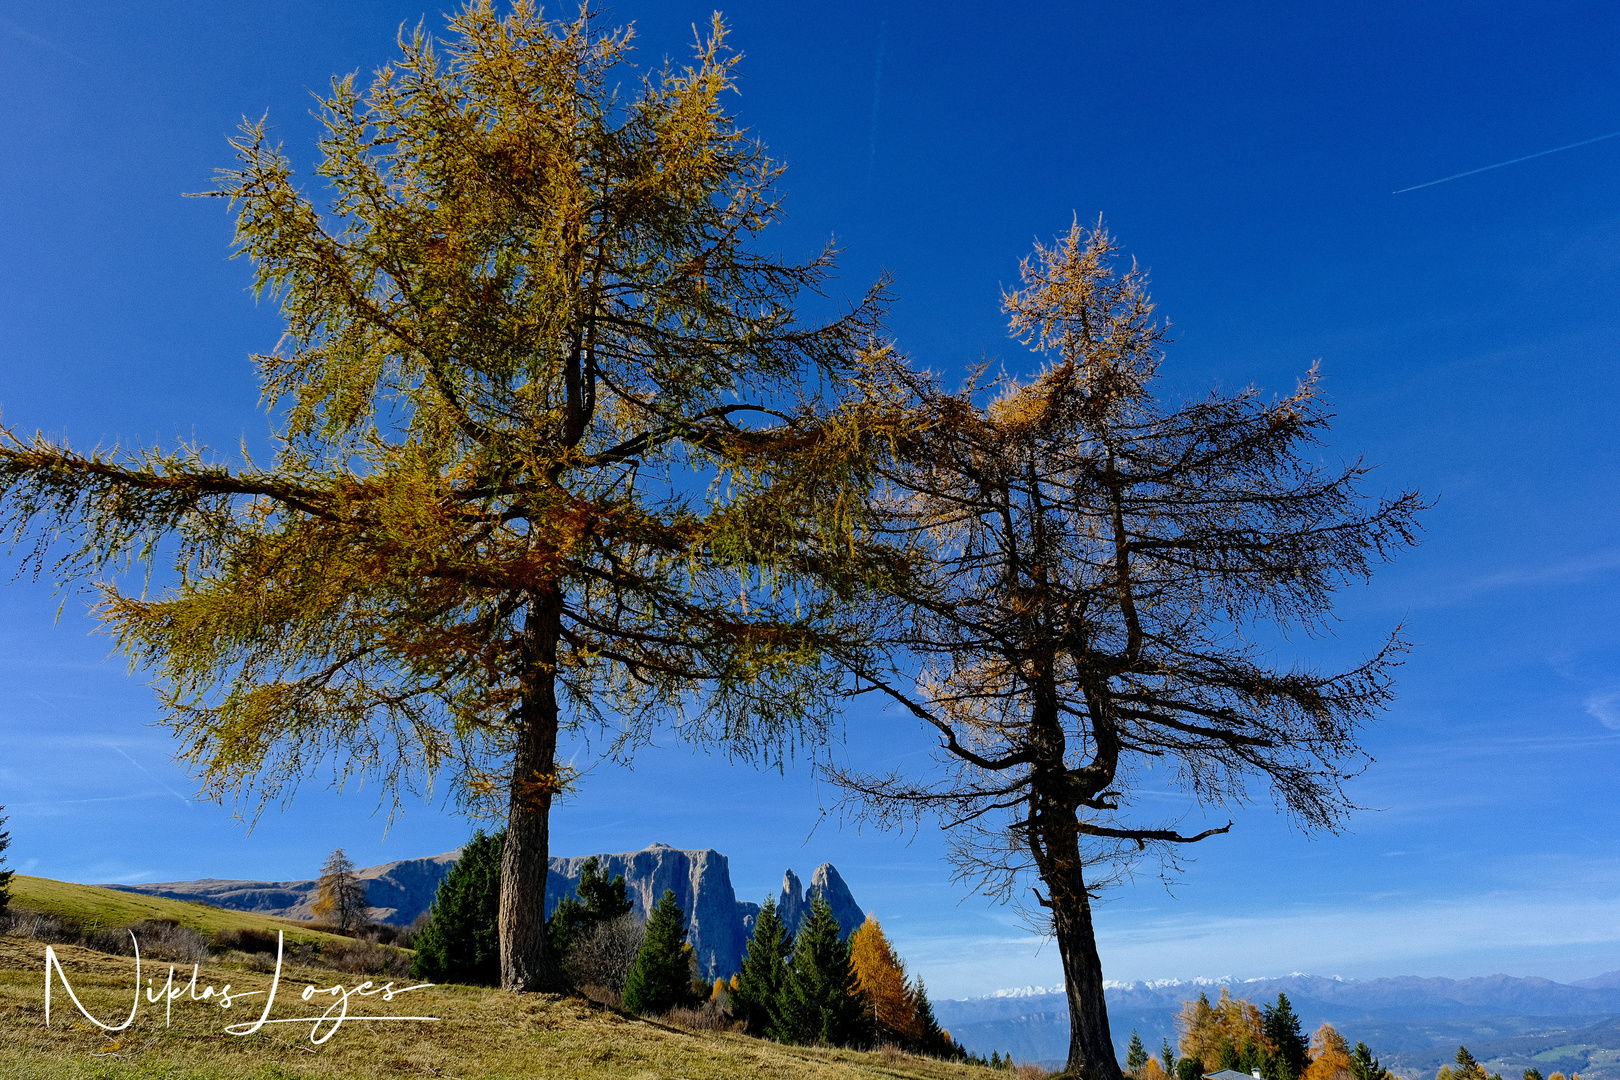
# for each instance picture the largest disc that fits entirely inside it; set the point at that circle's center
(92, 905)
(479, 1032)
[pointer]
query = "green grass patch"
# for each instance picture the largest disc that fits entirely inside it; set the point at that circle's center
(91, 905)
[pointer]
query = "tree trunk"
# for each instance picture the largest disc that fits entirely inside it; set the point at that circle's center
(526, 960)
(1091, 1044)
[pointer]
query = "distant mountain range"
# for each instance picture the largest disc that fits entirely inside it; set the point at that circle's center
(1415, 1025)
(718, 924)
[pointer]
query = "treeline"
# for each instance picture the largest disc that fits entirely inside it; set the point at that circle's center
(806, 988)
(1268, 1041)
(1265, 1040)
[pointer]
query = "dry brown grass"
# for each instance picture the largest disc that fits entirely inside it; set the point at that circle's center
(482, 1033)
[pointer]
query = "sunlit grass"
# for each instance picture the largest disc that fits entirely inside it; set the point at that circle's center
(481, 1033)
(92, 905)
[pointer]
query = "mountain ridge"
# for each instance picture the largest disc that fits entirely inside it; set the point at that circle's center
(718, 924)
(1415, 1023)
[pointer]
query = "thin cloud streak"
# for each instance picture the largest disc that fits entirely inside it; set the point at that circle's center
(1501, 164)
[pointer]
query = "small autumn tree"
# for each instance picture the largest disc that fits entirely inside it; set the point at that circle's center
(661, 978)
(1330, 1056)
(1086, 572)
(880, 975)
(553, 449)
(756, 994)
(459, 943)
(340, 898)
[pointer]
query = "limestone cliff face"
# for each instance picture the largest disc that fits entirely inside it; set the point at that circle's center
(701, 881)
(827, 884)
(793, 906)
(718, 924)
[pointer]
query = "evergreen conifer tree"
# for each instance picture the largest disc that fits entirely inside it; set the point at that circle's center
(932, 1039)
(1168, 1056)
(596, 900)
(1366, 1067)
(757, 993)
(1190, 1068)
(660, 978)
(460, 943)
(5, 874)
(821, 1002)
(1529, 1074)
(1467, 1068)
(1283, 1031)
(1136, 1054)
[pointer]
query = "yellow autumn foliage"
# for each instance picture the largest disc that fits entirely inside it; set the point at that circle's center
(1330, 1056)
(1152, 1071)
(1203, 1026)
(881, 975)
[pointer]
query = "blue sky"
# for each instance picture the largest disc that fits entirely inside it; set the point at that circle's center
(1246, 153)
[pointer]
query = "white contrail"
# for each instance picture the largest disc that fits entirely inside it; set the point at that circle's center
(1515, 161)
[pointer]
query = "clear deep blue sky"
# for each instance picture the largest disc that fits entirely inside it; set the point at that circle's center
(1246, 153)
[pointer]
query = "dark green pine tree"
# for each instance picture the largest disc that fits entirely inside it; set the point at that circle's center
(460, 942)
(1226, 1054)
(1167, 1057)
(1190, 1069)
(1251, 1058)
(1366, 1067)
(1533, 1074)
(595, 900)
(931, 1038)
(1136, 1054)
(5, 875)
(660, 979)
(1467, 1068)
(758, 994)
(821, 1002)
(1283, 1029)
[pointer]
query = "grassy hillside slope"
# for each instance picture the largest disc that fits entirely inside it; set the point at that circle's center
(89, 904)
(481, 1034)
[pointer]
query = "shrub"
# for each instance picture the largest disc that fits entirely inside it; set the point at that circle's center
(602, 958)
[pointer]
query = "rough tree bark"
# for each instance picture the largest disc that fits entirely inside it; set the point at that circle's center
(526, 960)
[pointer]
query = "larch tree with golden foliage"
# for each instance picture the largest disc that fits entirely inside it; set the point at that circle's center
(1330, 1056)
(881, 976)
(554, 449)
(1218, 1034)
(1085, 563)
(340, 899)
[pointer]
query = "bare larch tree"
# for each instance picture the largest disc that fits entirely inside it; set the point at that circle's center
(1081, 567)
